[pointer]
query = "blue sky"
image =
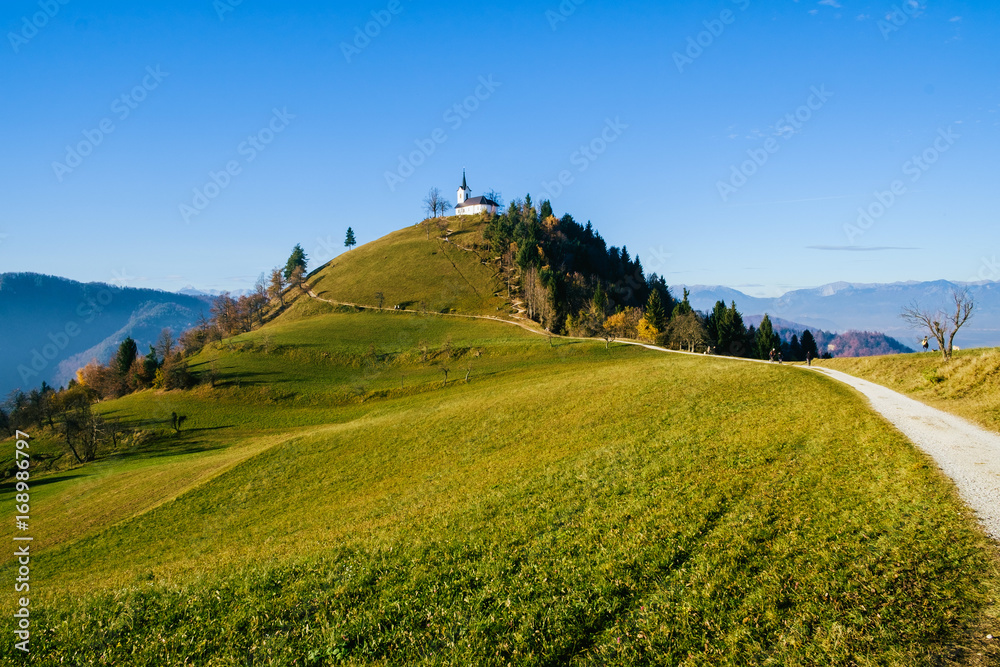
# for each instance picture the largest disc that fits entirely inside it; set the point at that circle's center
(669, 126)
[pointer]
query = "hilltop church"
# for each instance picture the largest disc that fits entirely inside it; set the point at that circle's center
(473, 205)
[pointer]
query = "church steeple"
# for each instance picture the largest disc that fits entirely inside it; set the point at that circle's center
(464, 191)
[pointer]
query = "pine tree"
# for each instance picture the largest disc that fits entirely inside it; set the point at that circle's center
(684, 307)
(546, 210)
(298, 258)
(765, 339)
(656, 314)
(350, 241)
(127, 353)
(809, 344)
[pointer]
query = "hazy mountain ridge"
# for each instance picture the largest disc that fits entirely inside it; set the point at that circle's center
(53, 324)
(842, 307)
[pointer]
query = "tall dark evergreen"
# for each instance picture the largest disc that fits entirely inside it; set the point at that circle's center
(350, 241)
(546, 210)
(297, 258)
(808, 344)
(656, 314)
(684, 307)
(127, 353)
(765, 339)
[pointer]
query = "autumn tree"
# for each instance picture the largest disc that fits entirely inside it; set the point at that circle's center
(624, 323)
(276, 287)
(943, 324)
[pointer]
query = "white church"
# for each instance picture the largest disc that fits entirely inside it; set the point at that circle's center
(473, 205)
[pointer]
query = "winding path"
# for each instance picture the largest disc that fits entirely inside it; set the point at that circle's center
(968, 454)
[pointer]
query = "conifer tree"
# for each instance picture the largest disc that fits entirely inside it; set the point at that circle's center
(808, 344)
(350, 241)
(127, 353)
(298, 258)
(656, 314)
(765, 339)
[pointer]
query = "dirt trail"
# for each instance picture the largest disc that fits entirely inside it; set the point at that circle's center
(968, 454)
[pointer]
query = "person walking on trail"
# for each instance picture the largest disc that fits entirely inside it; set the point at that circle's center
(771, 356)
(779, 356)
(809, 358)
(924, 343)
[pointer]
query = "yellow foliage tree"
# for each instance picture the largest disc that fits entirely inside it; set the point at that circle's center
(647, 332)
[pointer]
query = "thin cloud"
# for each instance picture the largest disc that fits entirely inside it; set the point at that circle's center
(794, 201)
(856, 248)
(831, 3)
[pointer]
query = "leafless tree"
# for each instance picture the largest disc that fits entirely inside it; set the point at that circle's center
(944, 323)
(298, 278)
(165, 344)
(433, 203)
(380, 298)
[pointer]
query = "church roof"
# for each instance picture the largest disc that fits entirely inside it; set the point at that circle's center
(464, 184)
(477, 201)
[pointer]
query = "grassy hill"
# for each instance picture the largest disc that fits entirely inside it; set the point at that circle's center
(409, 269)
(968, 385)
(333, 500)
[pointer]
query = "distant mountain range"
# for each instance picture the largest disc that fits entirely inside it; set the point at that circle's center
(841, 307)
(53, 326)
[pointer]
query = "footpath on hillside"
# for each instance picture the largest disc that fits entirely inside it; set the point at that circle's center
(968, 454)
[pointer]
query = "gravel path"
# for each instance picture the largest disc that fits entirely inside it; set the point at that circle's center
(966, 453)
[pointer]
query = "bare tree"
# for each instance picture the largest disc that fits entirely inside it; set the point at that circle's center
(434, 202)
(165, 344)
(298, 278)
(944, 323)
(380, 298)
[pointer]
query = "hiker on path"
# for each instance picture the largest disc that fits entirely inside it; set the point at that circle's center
(771, 356)
(809, 358)
(924, 343)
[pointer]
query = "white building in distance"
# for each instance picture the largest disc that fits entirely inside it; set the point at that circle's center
(473, 205)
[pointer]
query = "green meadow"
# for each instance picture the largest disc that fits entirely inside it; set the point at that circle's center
(332, 500)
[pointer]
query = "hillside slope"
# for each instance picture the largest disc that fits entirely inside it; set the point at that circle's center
(411, 269)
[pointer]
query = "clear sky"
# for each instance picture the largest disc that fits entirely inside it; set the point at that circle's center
(730, 142)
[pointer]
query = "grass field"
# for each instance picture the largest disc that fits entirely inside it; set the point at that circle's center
(331, 501)
(968, 385)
